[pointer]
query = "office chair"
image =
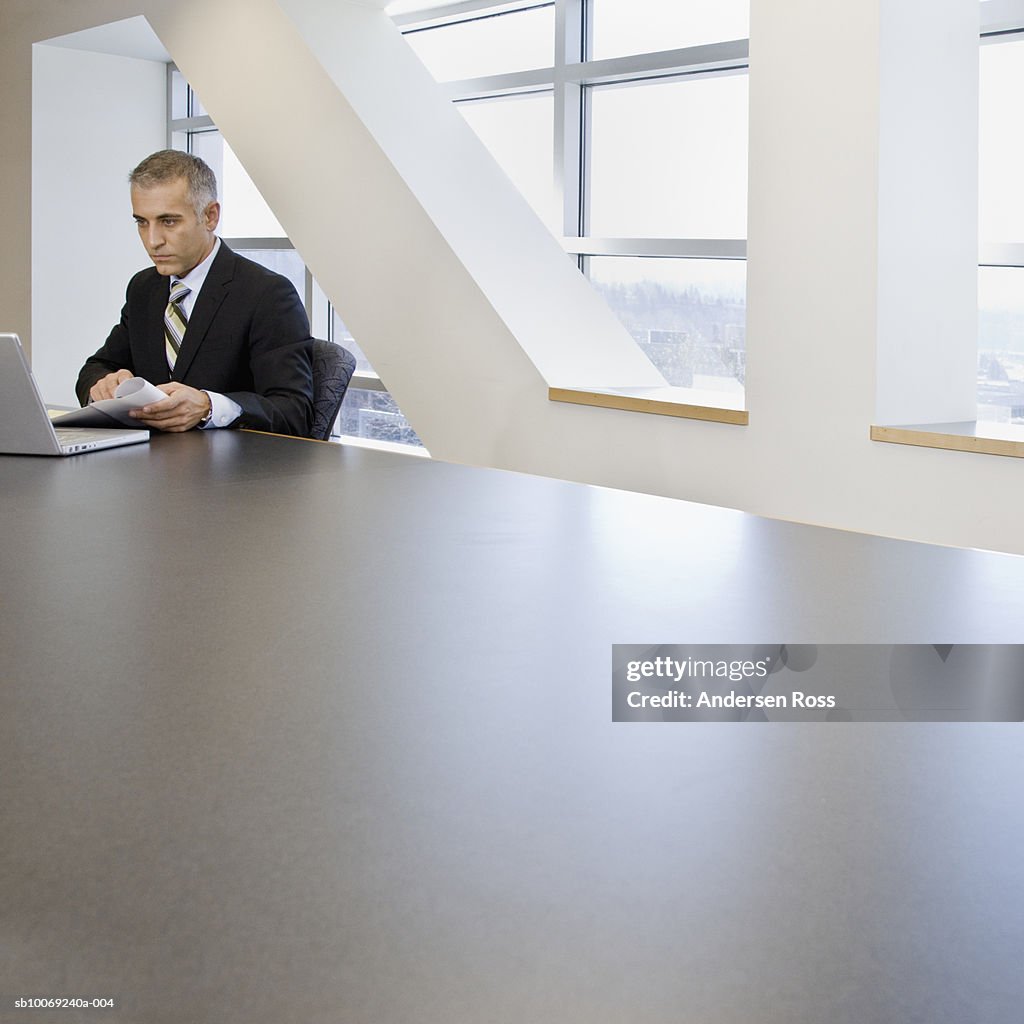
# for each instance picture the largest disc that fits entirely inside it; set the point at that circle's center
(333, 367)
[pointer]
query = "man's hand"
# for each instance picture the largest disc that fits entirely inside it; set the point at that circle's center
(181, 410)
(106, 386)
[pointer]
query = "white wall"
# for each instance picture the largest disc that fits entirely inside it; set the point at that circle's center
(820, 158)
(94, 117)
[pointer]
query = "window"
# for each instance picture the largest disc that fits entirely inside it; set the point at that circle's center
(518, 130)
(687, 316)
(250, 228)
(669, 159)
(1001, 231)
(623, 27)
(648, 146)
(491, 43)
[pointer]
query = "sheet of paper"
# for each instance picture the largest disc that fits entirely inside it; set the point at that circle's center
(133, 393)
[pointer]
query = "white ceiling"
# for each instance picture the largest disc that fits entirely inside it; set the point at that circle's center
(129, 38)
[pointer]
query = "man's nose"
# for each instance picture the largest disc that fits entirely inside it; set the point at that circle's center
(156, 237)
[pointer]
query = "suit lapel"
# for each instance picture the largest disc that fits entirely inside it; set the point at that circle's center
(214, 291)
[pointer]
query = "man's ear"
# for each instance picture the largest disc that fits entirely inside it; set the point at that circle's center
(211, 216)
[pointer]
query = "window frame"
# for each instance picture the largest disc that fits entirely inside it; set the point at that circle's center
(571, 79)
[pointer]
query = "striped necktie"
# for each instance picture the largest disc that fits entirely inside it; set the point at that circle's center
(175, 321)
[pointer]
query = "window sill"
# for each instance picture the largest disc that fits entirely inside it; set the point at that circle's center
(354, 441)
(687, 403)
(971, 436)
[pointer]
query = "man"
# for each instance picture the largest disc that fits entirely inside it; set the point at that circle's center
(227, 341)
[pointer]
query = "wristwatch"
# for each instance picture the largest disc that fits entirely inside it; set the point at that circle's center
(209, 412)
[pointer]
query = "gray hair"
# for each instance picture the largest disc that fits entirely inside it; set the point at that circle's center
(168, 165)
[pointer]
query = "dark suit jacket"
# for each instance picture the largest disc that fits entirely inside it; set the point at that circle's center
(248, 338)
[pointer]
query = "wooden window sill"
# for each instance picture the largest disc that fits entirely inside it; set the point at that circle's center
(971, 436)
(687, 403)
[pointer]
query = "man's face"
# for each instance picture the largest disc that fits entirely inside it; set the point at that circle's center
(174, 237)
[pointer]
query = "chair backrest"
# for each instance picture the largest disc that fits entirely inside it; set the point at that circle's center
(333, 367)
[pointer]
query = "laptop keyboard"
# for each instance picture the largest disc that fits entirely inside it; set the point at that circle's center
(80, 435)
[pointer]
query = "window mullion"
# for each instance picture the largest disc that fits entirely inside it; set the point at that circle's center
(567, 114)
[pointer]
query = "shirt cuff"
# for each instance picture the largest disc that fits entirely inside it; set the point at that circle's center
(223, 411)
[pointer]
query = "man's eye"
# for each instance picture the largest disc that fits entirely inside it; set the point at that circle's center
(169, 222)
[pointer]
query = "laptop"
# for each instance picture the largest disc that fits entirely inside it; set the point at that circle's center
(25, 427)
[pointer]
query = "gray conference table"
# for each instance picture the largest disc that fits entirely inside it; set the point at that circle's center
(295, 732)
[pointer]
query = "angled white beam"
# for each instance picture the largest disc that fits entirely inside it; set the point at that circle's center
(564, 327)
